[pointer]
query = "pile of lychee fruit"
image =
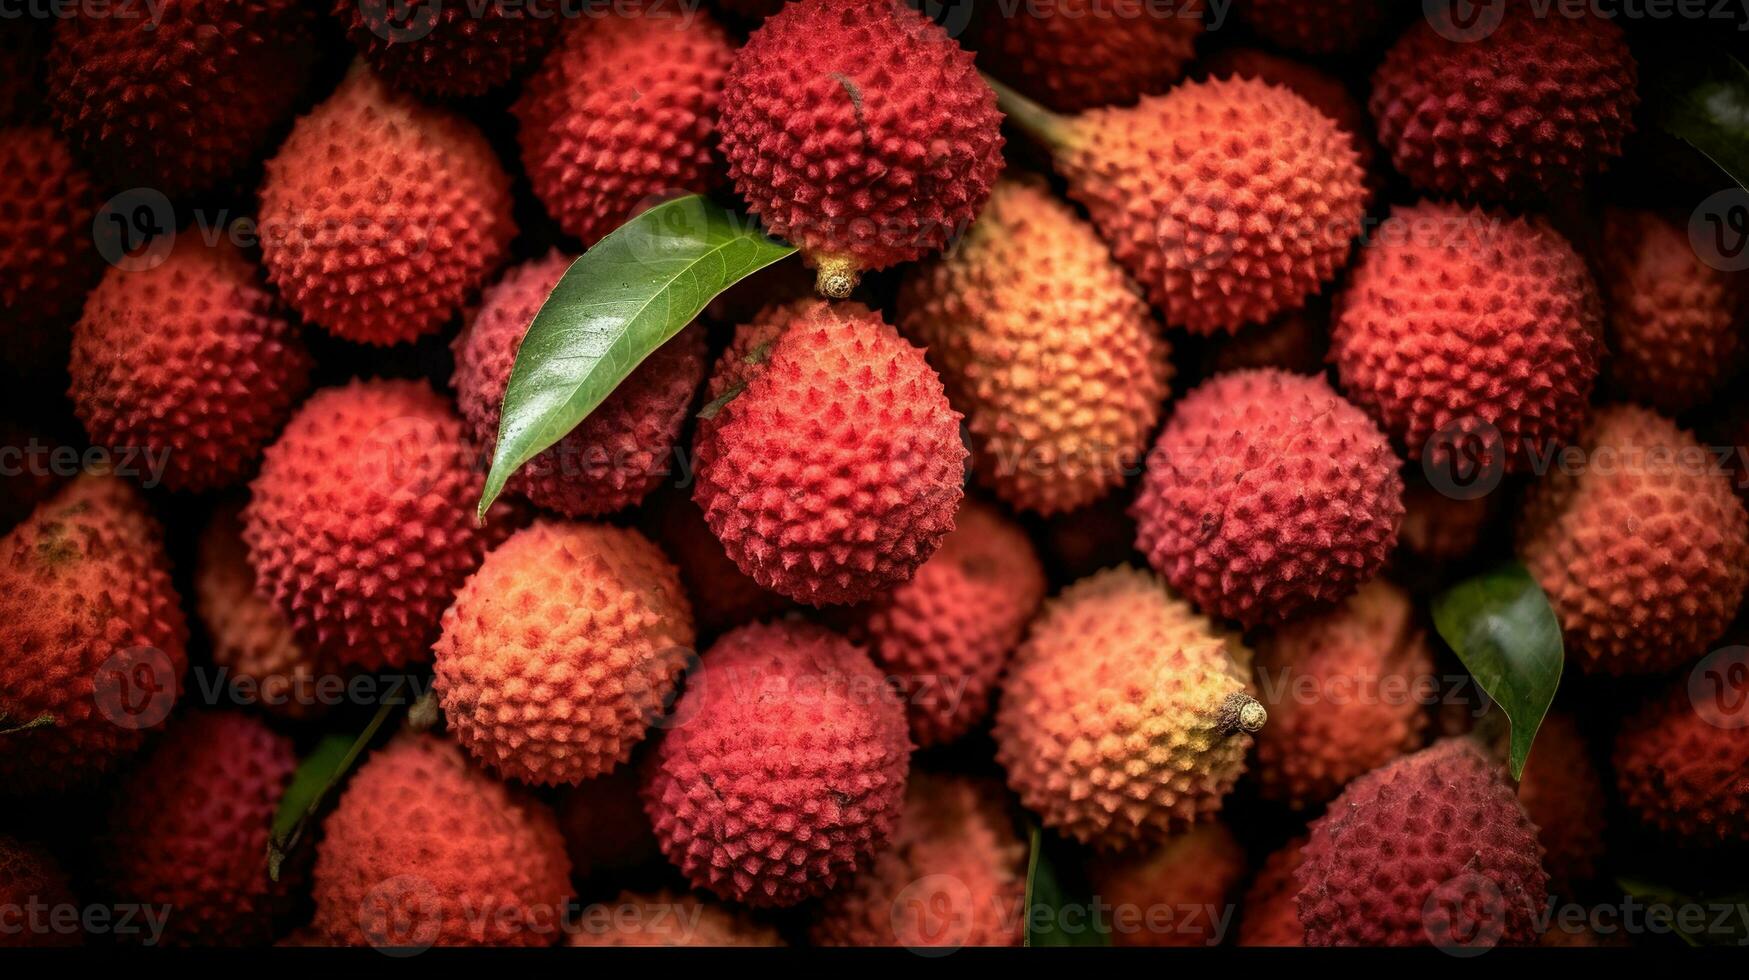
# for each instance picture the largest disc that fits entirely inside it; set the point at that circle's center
(1080, 488)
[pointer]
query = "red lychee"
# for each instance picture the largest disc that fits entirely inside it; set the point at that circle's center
(31, 878)
(1178, 894)
(456, 49)
(1078, 54)
(1682, 759)
(47, 262)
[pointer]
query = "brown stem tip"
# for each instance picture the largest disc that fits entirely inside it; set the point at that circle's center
(1240, 713)
(836, 277)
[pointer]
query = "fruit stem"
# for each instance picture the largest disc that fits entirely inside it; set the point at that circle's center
(1043, 125)
(837, 276)
(1240, 713)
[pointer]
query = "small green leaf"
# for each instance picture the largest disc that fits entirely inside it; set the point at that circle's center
(1704, 101)
(622, 300)
(1721, 921)
(316, 776)
(44, 720)
(1045, 921)
(1502, 627)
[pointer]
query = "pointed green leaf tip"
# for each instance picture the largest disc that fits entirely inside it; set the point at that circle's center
(616, 305)
(1051, 920)
(1702, 98)
(1502, 627)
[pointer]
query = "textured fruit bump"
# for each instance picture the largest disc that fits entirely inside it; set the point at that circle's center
(425, 848)
(1432, 849)
(1522, 105)
(946, 634)
(1464, 328)
(91, 635)
(189, 829)
(30, 876)
(189, 360)
(361, 524)
(1118, 722)
(453, 49)
(955, 875)
(783, 771)
(1045, 345)
(250, 638)
(1682, 759)
(1267, 495)
(829, 462)
(622, 114)
(665, 918)
(380, 214)
(859, 131)
(1643, 547)
(1174, 894)
(561, 650)
(723, 596)
(185, 99)
(1078, 54)
(46, 207)
(1327, 93)
(623, 449)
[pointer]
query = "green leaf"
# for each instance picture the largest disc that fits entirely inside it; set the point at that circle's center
(1046, 925)
(1722, 921)
(1502, 627)
(316, 776)
(617, 304)
(1704, 102)
(44, 720)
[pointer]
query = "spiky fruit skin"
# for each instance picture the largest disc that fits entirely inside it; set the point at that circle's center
(361, 523)
(1532, 108)
(1321, 27)
(381, 214)
(190, 826)
(1643, 548)
(1563, 794)
(665, 918)
(1163, 897)
(1269, 914)
(30, 876)
(85, 595)
(46, 260)
(833, 470)
(1079, 54)
(1433, 848)
(945, 635)
(1346, 693)
(1682, 762)
(1461, 323)
(561, 649)
(604, 824)
(955, 875)
(186, 99)
(1267, 495)
(250, 638)
(1046, 346)
(723, 597)
(425, 846)
(785, 771)
(622, 114)
(860, 132)
(448, 50)
(1110, 725)
(623, 449)
(190, 360)
(1674, 338)
(1327, 93)
(1163, 182)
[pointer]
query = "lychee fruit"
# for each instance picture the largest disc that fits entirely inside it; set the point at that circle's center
(1432, 849)
(1441, 527)
(190, 825)
(424, 848)
(458, 49)
(722, 595)
(1078, 54)
(1319, 27)
(1229, 201)
(31, 878)
(251, 641)
(92, 639)
(604, 824)
(1125, 716)
(361, 523)
(189, 360)
(829, 462)
(622, 114)
(1682, 758)
(47, 262)
(1674, 321)
(1327, 93)
(561, 650)
(1269, 914)
(860, 132)
(1563, 793)
(623, 449)
(1347, 692)
(185, 99)
(1516, 107)
(665, 918)
(381, 214)
(1267, 495)
(955, 875)
(1471, 335)
(1640, 543)
(1175, 894)
(1046, 346)
(782, 770)
(945, 635)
